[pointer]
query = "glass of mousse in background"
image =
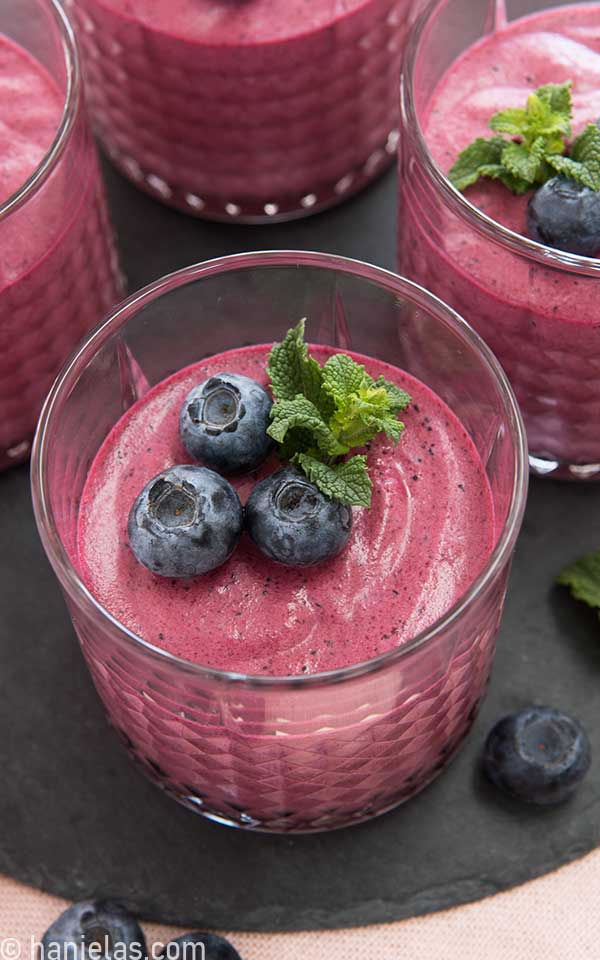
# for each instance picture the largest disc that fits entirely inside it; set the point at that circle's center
(250, 110)
(536, 306)
(261, 695)
(58, 271)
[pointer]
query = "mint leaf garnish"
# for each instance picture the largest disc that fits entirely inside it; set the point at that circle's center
(530, 146)
(348, 481)
(584, 163)
(482, 158)
(526, 164)
(362, 407)
(291, 369)
(321, 413)
(583, 579)
(301, 413)
(558, 98)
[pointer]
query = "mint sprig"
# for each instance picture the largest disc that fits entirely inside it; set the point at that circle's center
(530, 146)
(321, 413)
(583, 579)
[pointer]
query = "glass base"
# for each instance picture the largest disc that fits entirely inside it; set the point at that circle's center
(259, 211)
(544, 466)
(290, 821)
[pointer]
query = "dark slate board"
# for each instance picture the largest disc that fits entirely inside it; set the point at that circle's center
(77, 818)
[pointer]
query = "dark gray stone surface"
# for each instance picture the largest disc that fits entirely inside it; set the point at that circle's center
(78, 819)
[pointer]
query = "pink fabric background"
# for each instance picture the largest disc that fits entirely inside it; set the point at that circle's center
(554, 918)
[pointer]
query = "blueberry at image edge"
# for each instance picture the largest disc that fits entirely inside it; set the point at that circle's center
(223, 423)
(293, 523)
(215, 948)
(539, 755)
(185, 522)
(565, 214)
(94, 921)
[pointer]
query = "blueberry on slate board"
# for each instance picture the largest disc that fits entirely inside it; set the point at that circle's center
(223, 423)
(292, 522)
(189, 947)
(566, 215)
(103, 923)
(185, 522)
(539, 755)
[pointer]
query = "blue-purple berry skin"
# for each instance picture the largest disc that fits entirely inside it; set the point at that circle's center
(293, 523)
(223, 423)
(539, 755)
(104, 923)
(565, 214)
(186, 522)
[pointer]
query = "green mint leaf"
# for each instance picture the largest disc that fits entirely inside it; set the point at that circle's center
(584, 163)
(292, 370)
(573, 171)
(513, 121)
(391, 426)
(320, 414)
(362, 407)
(583, 579)
(361, 415)
(547, 114)
(347, 481)
(342, 376)
(586, 150)
(479, 159)
(301, 414)
(398, 399)
(558, 98)
(523, 163)
(537, 135)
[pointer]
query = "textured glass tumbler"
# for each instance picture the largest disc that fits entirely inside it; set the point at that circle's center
(58, 270)
(537, 308)
(252, 130)
(301, 753)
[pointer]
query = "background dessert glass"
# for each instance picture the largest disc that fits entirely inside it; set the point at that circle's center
(300, 753)
(58, 270)
(504, 284)
(258, 128)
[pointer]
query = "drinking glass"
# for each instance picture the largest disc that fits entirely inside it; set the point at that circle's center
(535, 306)
(259, 124)
(58, 268)
(308, 752)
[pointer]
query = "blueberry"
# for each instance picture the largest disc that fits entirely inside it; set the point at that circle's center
(566, 215)
(102, 923)
(223, 423)
(539, 755)
(291, 521)
(186, 521)
(190, 947)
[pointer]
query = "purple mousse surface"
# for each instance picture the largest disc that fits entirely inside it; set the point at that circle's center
(425, 539)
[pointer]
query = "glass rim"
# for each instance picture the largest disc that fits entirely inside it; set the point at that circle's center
(65, 570)
(484, 225)
(69, 113)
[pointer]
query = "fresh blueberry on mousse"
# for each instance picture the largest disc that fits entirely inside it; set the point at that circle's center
(292, 522)
(102, 924)
(200, 946)
(566, 215)
(539, 755)
(186, 521)
(223, 423)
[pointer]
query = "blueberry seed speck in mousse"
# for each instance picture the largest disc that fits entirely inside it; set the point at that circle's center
(425, 538)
